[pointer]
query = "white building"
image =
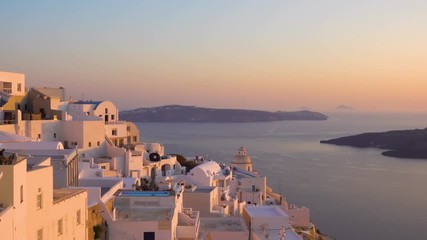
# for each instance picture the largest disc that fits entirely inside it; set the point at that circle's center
(104, 110)
(224, 228)
(149, 215)
(242, 160)
(249, 187)
(43, 114)
(211, 174)
(31, 209)
(12, 84)
(269, 222)
(209, 183)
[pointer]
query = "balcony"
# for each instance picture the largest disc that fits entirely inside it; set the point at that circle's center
(188, 224)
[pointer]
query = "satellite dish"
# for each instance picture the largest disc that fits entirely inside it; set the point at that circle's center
(154, 157)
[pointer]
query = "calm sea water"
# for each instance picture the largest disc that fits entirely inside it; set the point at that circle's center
(352, 193)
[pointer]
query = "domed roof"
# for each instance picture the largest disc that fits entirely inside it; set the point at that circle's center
(242, 157)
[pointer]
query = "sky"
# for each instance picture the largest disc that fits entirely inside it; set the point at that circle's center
(269, 55)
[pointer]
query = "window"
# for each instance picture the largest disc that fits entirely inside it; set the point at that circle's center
(106, 111)
(7, 87)
(112, 117)
(114, 132)
(19, 87)
(60, 230)
(149, 235)
(135, 139)
(39, 201)
(39, 136)
(78, 217)
(54, 135)
(128, 128)
(40, 234)
(90, 144)
(98, 143)
(21, 190)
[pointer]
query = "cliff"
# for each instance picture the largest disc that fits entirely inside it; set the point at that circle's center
(177, 113)
(399, 143)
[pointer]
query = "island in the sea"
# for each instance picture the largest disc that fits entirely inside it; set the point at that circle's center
(178, 113)
(399, 143)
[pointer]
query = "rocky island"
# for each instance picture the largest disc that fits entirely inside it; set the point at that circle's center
(178, 113)
(399, 143)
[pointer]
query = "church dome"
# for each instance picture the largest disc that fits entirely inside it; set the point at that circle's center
(242, 157)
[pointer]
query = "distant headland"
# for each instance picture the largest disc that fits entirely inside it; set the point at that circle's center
(399, 143)
(178, 113)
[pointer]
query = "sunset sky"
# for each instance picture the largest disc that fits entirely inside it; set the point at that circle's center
(271, 55)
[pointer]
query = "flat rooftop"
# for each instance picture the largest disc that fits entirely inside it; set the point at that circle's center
(36, 161)
(14, 161)
(222, 224)
(64, 193)
(265, 211)
(143, 214)
(204, 190)
(136, 193)
(290, 234)
(239, 173)
(55, 154)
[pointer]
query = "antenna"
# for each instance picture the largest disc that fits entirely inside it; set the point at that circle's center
(265, 229)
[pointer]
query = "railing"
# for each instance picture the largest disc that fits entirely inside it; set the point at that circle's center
(115, 122)
(136, 153)
(189, 231)
(190, 213)
(4, 122)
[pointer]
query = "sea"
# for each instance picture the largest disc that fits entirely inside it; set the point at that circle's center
(353, 193)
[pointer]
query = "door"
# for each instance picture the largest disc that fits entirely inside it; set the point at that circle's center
(149, 236)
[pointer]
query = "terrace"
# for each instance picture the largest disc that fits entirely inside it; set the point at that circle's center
(65, 193)
(223, 228)
(221, 224)
(188, 224)
(143, 205)
(142, 214)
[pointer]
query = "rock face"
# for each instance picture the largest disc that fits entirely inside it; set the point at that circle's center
(177, 113)
(400, 143)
